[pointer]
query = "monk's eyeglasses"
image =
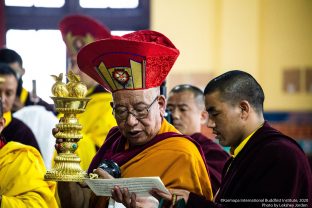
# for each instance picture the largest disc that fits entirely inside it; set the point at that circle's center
(122, 113)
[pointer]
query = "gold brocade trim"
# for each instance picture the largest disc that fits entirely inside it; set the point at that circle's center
(119, 78)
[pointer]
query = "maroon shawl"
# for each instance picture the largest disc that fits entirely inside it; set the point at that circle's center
(18, 131)
(114, 148)
(270, 166)
(215, 157)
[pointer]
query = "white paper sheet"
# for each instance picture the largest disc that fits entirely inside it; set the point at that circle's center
(141, 186)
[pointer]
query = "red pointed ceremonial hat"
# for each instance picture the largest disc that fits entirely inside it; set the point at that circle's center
(79, 30)
(138, 60)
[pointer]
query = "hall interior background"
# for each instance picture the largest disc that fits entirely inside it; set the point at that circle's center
(271, 39)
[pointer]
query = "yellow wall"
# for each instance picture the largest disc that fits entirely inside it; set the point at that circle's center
(286, 41)
(188, 24)
(263, 37)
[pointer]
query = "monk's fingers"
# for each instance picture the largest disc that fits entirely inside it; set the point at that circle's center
(102, 173)
(126, 197)
(180, 193)
(158, 194)
(117, 195)
(133, 203)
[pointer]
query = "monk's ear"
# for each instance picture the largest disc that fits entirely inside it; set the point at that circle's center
(204, 117)
(245, 109)
(162, 104)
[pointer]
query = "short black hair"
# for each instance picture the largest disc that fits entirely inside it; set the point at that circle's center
(235, 86)
(5, 69)
(198, 93)
(10, 56)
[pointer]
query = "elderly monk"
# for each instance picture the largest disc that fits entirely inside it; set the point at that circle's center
(187, 107)
(133, 67)
(97, 119)
(21, 173)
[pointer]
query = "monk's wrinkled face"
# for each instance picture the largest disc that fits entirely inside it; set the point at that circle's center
(8, 92)
(138, 114)
(187, 114)
(225, 120)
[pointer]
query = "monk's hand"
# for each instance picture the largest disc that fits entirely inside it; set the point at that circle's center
(172, 197)
(123, 196)
(102, 173)
(131, 200)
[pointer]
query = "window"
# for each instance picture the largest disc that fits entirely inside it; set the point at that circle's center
(36, 3)
(109, 3)
(39, 42)
(41, 58)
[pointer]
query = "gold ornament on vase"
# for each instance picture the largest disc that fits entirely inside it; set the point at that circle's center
(69, 99)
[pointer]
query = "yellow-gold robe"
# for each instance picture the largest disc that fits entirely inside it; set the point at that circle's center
(22, 178)
(175, 159)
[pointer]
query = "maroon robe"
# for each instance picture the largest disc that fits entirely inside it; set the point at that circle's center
(271, 166)
(215, 157)
(18, 131)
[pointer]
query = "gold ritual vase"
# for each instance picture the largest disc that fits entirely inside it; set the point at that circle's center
(69, 100)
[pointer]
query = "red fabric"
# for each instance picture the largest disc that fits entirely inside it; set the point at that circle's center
(2, 141)
(80, 26)
(151, 49)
